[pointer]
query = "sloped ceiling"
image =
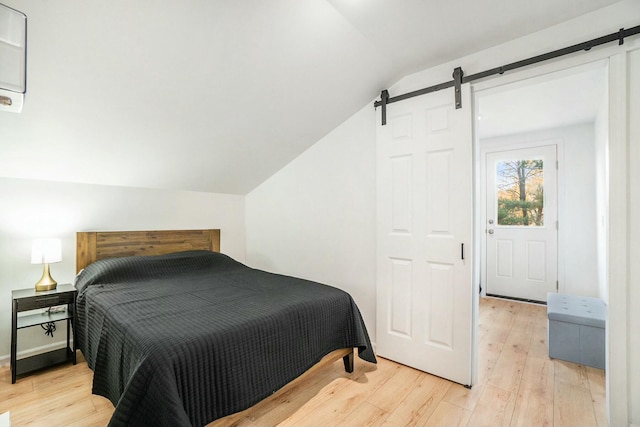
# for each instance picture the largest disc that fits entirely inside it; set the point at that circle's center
(216, 96)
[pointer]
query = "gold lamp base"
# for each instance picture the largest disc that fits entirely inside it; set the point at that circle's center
(46, 282)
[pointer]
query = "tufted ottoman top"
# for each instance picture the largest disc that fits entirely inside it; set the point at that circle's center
(576, 309)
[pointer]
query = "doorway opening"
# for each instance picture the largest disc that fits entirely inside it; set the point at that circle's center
(541, 201)
(567, 110)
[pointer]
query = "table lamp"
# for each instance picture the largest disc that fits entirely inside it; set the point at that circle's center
(46, 251)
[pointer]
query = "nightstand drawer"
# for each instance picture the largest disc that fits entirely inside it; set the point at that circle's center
(45, 301)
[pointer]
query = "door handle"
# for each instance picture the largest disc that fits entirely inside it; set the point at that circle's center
(490, 231)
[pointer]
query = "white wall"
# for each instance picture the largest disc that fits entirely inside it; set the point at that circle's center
(31, 209)
(315, 218)
(577, 239)
(601, 137)
(288, 207)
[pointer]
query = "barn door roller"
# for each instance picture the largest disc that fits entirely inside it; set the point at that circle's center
(459, 79)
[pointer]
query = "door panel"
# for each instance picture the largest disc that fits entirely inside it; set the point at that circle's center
(536, 256)
(439, 171)
(401, 193)
(441, 305)
(400, 309)
(504, 258)
(424, 288)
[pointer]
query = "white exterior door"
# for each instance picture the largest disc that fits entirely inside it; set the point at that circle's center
(424, 256)
(522, 235)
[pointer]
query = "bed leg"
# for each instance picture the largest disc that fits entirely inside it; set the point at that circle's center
(348, 362)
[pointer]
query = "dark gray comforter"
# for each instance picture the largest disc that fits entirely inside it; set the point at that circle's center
(186, 338)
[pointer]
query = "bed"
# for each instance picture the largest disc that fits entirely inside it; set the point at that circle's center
(179, 334)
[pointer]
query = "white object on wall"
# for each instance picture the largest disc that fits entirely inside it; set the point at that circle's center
(11, 101)
(13, 59)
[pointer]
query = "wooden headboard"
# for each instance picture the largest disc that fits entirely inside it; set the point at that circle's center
(94, 245)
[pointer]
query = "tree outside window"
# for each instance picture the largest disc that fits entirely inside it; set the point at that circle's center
(520, 192)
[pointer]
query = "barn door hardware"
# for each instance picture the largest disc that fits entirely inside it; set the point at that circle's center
(388, 100)
(459, 78)
(384, 96)
(457, 82)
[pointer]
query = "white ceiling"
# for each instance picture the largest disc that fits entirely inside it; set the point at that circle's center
(550, 101)
(217, 96)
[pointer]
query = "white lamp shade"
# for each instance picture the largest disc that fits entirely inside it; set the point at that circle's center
(45, 251)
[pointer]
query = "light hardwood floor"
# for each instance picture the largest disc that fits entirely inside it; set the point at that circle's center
(518, 385)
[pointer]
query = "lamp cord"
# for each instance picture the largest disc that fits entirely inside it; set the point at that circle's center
(49, 327)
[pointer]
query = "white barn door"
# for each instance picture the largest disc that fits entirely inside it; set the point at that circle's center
(425, 208)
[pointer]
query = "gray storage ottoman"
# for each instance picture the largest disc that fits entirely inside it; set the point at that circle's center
(576, 329)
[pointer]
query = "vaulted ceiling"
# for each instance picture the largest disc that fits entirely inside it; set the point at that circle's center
(216, 96)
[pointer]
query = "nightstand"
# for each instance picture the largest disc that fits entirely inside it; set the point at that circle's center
(29, 299)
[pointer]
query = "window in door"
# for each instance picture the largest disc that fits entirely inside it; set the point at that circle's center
(520, 192)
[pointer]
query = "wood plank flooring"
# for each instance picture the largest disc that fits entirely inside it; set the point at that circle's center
(518, 386)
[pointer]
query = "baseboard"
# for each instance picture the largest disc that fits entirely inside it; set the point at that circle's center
(5, 360)
(530, 301)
